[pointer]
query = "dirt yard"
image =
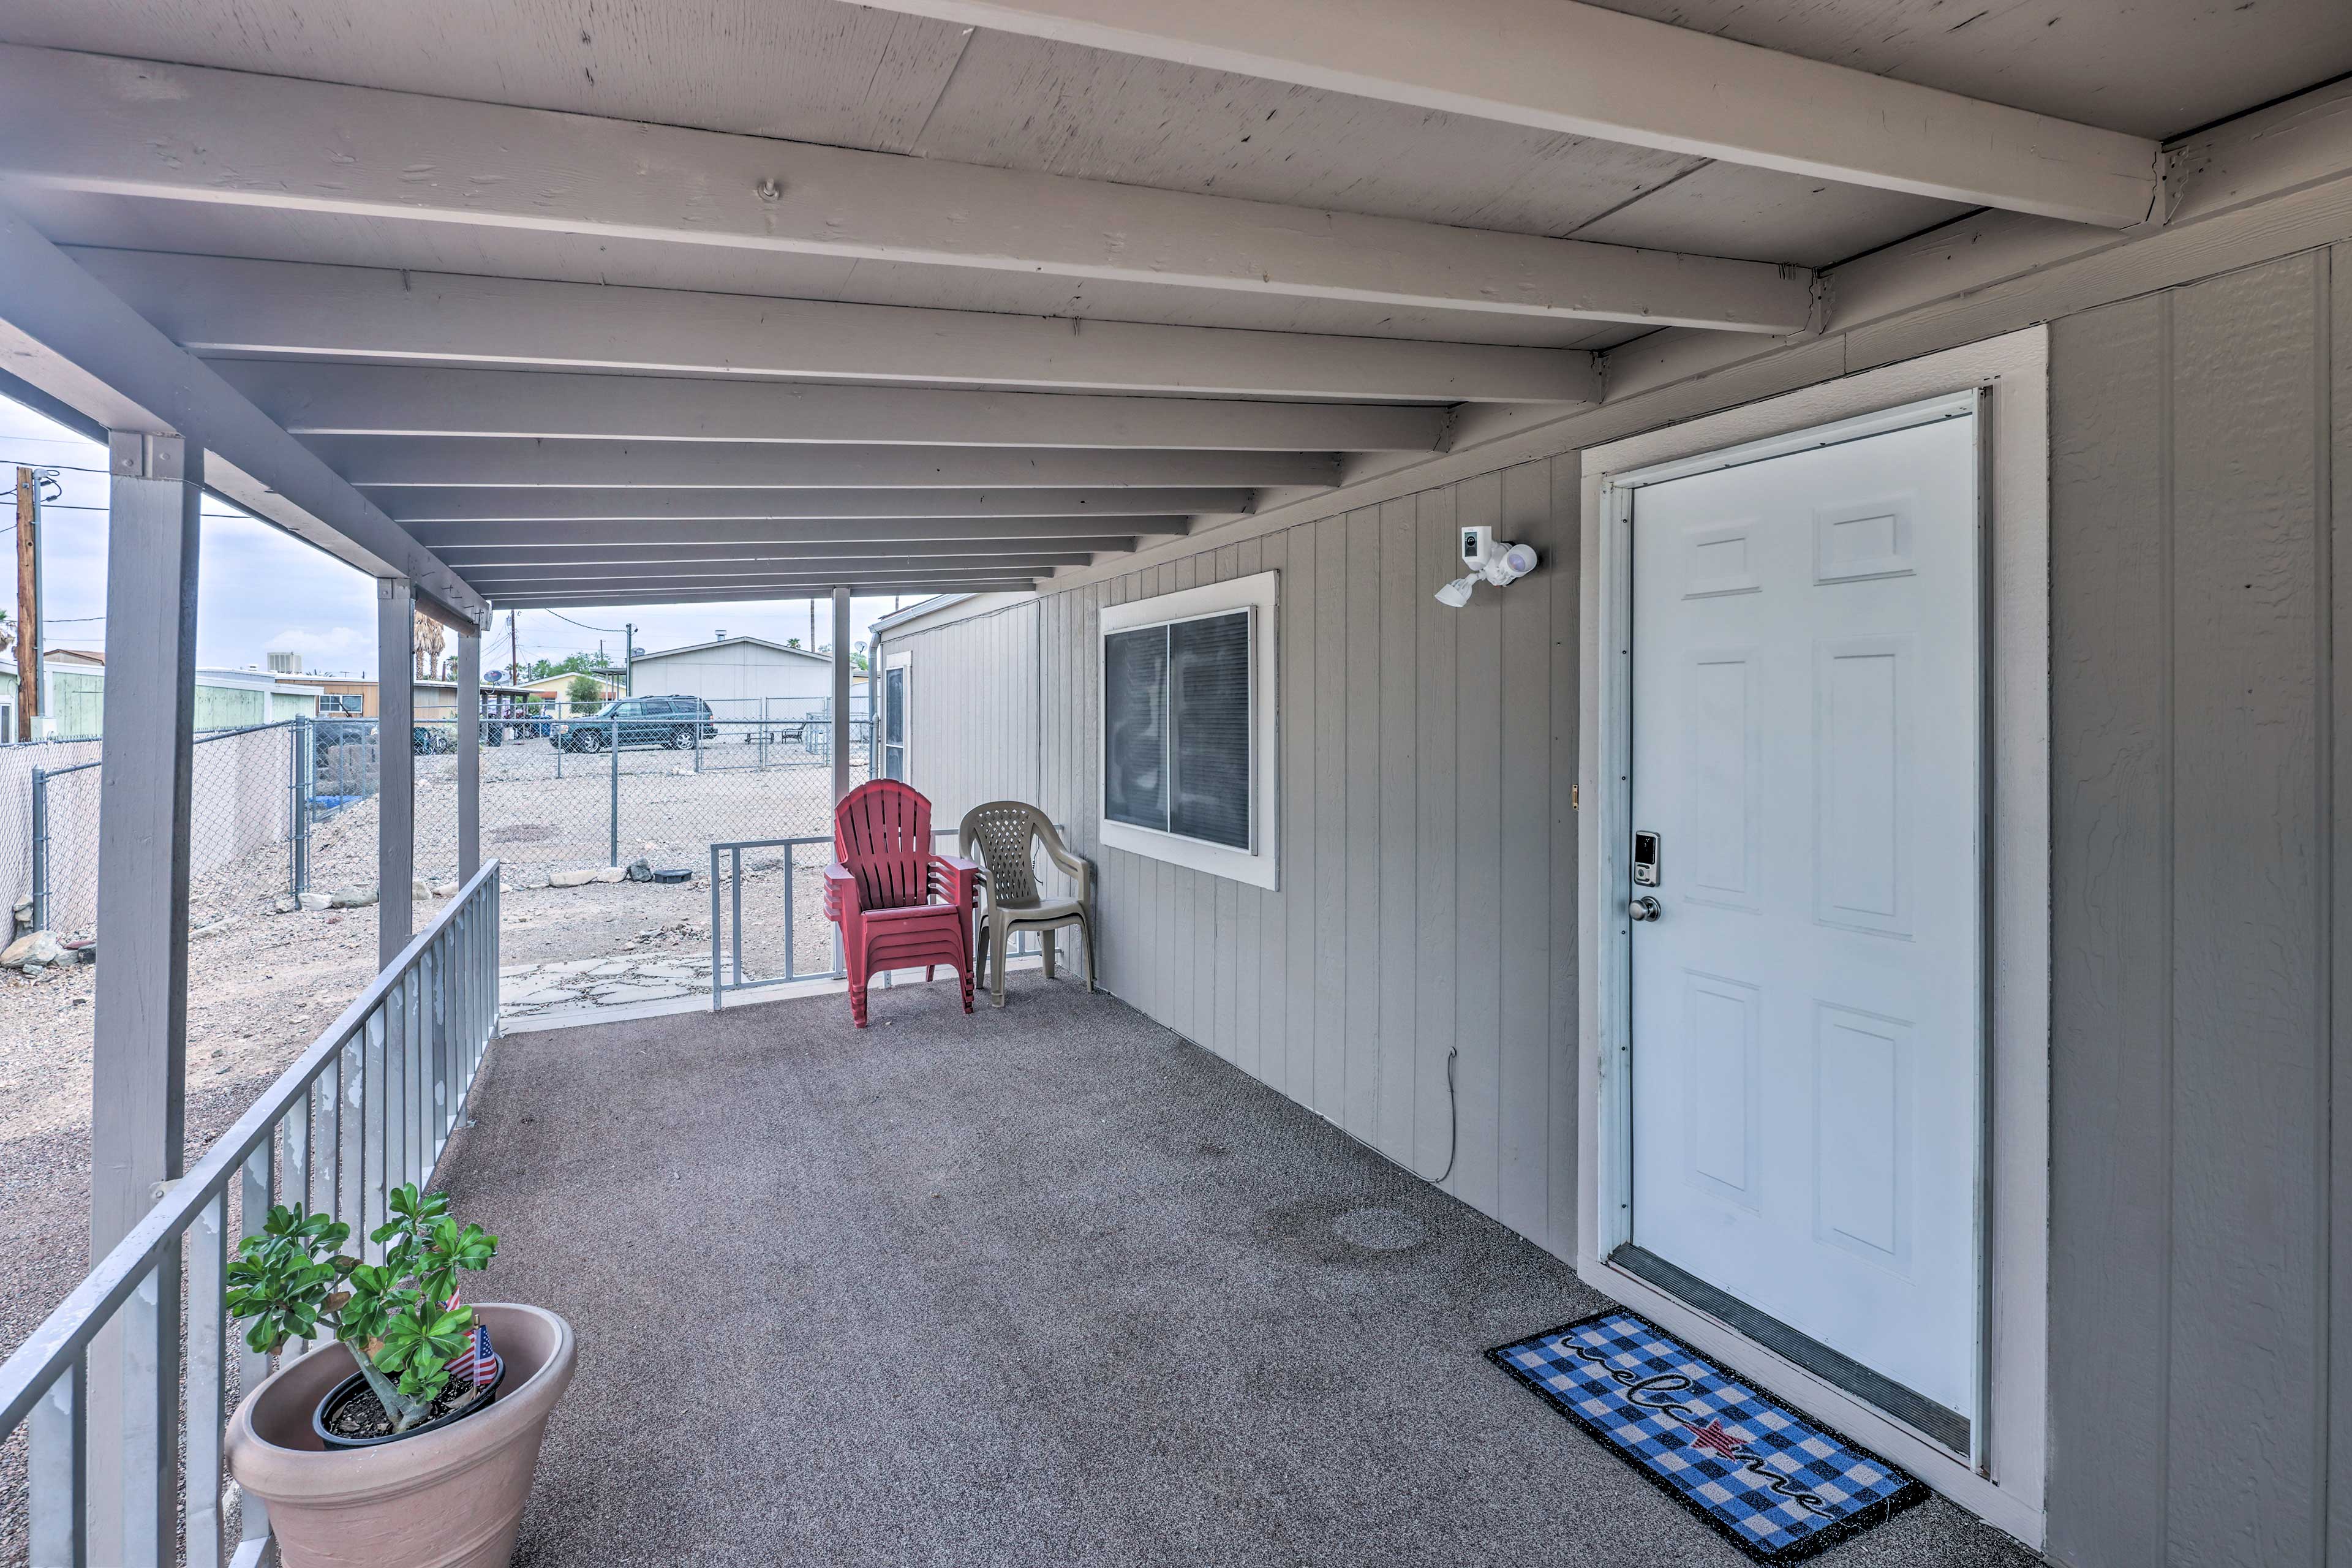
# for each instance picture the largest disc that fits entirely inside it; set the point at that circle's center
(262, 984)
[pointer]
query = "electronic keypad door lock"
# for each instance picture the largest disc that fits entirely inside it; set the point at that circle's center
(1646, 860)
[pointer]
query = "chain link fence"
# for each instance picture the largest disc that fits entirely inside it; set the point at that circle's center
(243, 821)
(293, 807)
(561, 794)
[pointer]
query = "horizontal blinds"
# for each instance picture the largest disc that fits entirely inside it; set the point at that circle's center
(1209, 708)
(1135, 727)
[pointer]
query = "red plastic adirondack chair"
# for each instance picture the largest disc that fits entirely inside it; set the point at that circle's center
(896, 903)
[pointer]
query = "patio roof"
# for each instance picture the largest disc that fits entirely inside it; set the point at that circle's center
(1048, 1285)
(501, 302)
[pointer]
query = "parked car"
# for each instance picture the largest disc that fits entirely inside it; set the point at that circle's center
(638, 721)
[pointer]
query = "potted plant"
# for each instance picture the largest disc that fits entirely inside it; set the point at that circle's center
(411, 1437)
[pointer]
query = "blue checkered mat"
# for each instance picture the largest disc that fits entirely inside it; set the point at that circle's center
(1779, 1486)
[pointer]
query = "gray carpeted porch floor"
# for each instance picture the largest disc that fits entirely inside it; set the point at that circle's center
(1048, 1286)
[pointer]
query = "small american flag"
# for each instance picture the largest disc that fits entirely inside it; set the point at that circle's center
(476, 1363)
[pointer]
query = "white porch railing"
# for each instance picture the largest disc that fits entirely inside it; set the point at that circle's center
(368, 1107)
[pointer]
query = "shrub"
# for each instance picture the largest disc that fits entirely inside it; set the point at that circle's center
(396, 1316)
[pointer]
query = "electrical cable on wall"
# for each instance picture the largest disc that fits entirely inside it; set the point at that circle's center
(1453, 1118)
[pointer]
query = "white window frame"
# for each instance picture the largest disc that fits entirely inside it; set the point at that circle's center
(1260, 864)
(2005, 1485)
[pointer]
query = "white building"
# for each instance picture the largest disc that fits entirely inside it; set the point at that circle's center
(739, 677)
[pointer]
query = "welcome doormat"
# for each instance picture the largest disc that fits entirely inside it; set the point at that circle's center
(1779, 1486)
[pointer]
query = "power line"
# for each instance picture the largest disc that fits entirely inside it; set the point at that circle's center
(584, 626)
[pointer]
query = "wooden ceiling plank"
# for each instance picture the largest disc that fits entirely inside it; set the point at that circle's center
(93, 123)
(373, 463)
(1556, 65)
(228, 306)
(320, 399)
(970, 512)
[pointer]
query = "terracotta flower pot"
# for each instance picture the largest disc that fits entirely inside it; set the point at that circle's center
(448, 1499)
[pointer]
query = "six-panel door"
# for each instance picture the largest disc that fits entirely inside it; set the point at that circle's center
(1806, 1007)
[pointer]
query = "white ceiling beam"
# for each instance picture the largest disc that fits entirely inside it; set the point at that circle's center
(978, 552)
(93, 123)
(460, 539)
(62, 331)
(376, 461)
(1560, 66)
(496, 581)
(1134, 510)
(315, 399)
(753, 591)
(217, 305)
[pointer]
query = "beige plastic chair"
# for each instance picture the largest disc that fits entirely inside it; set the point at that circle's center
(999, 835)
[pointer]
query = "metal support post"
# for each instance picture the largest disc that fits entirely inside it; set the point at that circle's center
(40, 826)
(395, 853)
(616, 819)
(303, 785)
(469, 753)
(840, 692)
(138, 1063)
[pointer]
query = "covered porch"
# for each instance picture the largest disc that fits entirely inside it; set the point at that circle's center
(1047, 1285)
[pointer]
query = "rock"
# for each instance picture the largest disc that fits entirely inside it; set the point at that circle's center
(214, 928)
(444, 889)
(535, 879)
(35, 950)
(576, 877)
(420, 888)
(316, 901)
(616, 995)
(351, 898)
(639, 871)
(610, 874)
(285, 904)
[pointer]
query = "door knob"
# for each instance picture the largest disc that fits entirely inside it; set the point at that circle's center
(1644, 907)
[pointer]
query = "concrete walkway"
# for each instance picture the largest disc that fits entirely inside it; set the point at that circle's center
(1048, 1286)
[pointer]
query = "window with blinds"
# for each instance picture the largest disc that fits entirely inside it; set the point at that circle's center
(1177, 723)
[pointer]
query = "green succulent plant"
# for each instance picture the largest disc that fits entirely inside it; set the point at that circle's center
(290, 1280)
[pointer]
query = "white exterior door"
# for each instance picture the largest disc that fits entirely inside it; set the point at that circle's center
(1807, 1002)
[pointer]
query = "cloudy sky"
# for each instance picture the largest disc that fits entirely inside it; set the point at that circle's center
(261, 591)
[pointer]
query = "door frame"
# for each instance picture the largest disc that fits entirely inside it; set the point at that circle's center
(2008, 377)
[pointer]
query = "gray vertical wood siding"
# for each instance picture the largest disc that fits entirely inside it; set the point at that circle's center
(972, 710)
(2201, 1203)
(1428, 858)
(2199, 448)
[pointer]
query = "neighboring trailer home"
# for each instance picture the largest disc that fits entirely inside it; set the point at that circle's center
(224, 699)
(1857, 886)
(739, 677)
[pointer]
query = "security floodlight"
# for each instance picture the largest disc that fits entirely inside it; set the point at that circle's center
(1500, 565)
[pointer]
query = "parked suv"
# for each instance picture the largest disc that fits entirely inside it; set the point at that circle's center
(638, 721)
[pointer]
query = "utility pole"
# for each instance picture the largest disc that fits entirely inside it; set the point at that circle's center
(812, 642)
(28, 601)
(514, 652)
(628, 659)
